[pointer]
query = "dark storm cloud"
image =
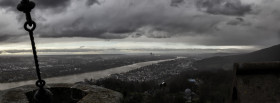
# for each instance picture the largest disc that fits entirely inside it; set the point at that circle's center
(9, 3)
(52, 3)
(238, 21)
(117, 26)
(56, 50)
(224, 7)
(41, 4)
(176, 3)
(91, 2)
(124, 27)
(218, 7)
(82, 33)
(278, 34)
(120, 21)
(215, 22)
(78, 28)
(4, 38)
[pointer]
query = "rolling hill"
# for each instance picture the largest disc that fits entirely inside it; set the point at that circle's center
(226, 62)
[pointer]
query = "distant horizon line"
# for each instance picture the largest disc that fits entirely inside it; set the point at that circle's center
(121, 51)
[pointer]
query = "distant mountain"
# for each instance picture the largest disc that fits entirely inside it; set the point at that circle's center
(226, 62)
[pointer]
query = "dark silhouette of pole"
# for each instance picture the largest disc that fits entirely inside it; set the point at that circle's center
(42, 95)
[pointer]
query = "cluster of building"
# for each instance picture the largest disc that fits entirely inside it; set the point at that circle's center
(159, 71)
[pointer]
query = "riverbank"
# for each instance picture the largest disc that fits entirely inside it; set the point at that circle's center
(21, 68)
(80, 77)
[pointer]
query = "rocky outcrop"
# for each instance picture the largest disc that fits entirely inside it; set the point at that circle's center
(63, 93)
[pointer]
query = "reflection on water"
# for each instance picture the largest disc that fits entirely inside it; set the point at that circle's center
(81, 77)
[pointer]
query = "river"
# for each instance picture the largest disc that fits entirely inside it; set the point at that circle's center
(80, 77)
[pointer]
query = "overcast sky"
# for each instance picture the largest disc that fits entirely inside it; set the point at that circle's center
(143, 24)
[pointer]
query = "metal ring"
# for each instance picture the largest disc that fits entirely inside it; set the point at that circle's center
(33, 26)
(40, 83)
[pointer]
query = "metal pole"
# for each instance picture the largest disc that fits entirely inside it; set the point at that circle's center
(42, 95)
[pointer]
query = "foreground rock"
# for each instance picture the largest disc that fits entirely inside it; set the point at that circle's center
(63, 93)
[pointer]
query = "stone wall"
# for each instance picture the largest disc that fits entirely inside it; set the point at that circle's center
(256, 83)
(63, 94)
